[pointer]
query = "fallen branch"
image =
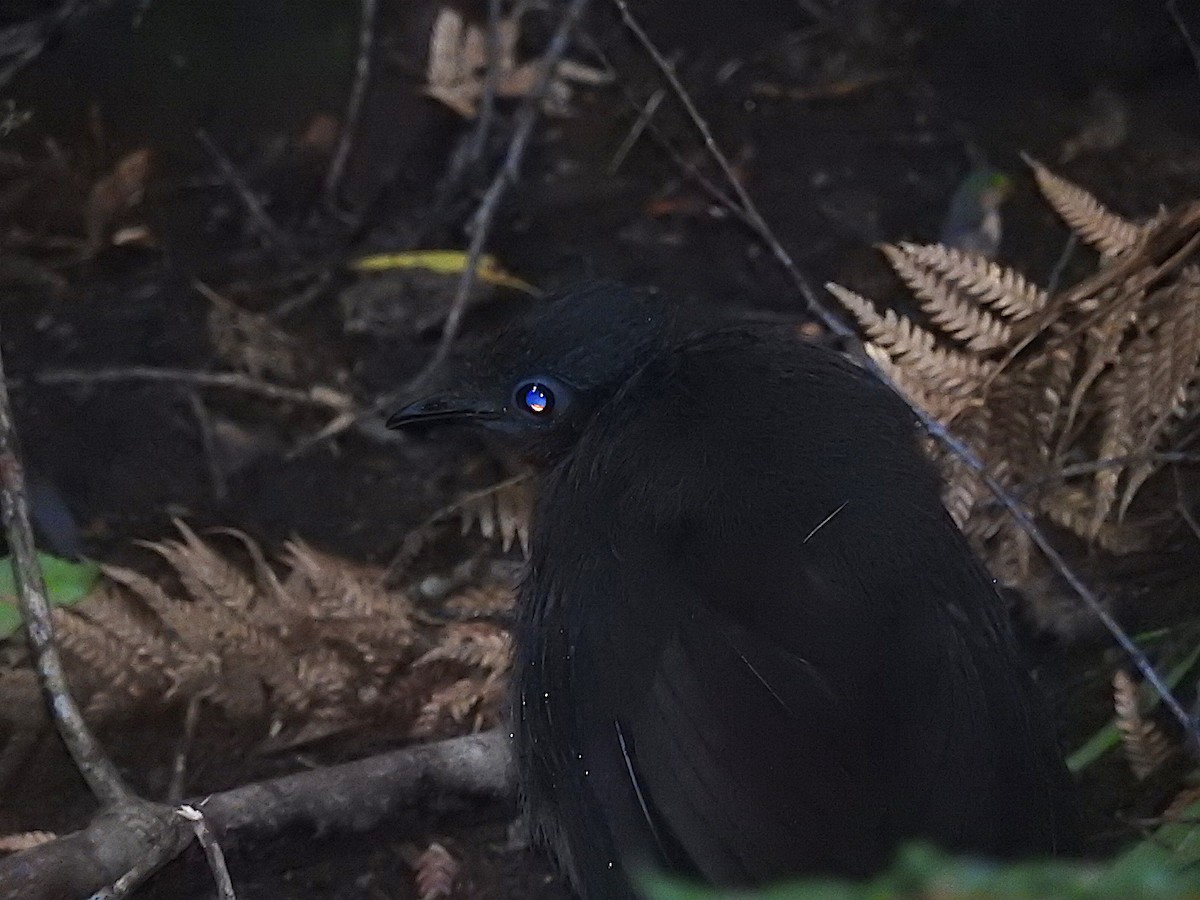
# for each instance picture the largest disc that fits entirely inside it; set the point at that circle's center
(163, 834)
(462, 780)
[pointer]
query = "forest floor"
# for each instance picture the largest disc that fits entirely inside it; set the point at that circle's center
(163, 206)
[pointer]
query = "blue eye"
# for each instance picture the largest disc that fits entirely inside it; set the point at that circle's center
(536, 398)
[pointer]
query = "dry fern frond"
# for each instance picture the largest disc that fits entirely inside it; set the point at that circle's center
(480, 602)
(284, 654)
(474, 702)
(434, 871)
(1146, 747)
(207, 576)
(914, 348)
(1107, 372)
(1101, 344)
(1171, 368)
(1095, 224)
(1074, 508)
(1005, 290)
(503, 510)
(957, 316)
(481, 645)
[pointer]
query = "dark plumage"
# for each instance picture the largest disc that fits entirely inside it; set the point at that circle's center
(752, 643)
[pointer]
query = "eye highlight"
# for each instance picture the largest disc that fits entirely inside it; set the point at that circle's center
(536, 398)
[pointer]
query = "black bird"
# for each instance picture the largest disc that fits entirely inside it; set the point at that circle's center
(752, 644)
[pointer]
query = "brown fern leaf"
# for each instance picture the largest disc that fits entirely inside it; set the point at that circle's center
(456, 704)
(1145, 387)
(1016, 434)
(207, 576)
(1095, 224)
(1004, 289)
(915, 349)
(489, 600)
(325, 679)
(503, 510)
(1074, 508)
(964, 490)
(943, 407)
(956, 315)
(349, 603)
(1146, 747)
(234, 651)
(1175, 366)
(1051, 373)
(435, 870)
(1102, 343)
(336, 588)
(104, 666)
(478, 644)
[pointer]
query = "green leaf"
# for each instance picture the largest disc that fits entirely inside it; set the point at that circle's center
(67, 582)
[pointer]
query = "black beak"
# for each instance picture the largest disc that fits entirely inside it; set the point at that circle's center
(444, 409)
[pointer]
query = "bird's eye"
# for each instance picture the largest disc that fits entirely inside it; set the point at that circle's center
(536, 398)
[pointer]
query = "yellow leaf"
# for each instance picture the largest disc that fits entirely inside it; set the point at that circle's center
(444, 262)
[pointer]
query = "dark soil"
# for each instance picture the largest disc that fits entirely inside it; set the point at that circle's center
(935, 87)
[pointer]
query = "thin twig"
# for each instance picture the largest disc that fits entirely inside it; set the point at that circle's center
(480, 227)
(49, 25)
(212, 850)
(178, 786)
(686, 165)
(258, 213)
(1188, 40)
(319, 397)
(1060, 265)
(1115, 462)
(1181, 504)
(163, 838)
(95, 766)
(354, 106)
(481, 222)
(645, 114)
(305, 298)
(935, 428)
(216, 476)
(491, 80)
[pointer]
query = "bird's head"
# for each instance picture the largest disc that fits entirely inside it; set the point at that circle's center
(540, 379)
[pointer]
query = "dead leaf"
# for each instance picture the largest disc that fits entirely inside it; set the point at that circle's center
(458, 62)
(121, 189)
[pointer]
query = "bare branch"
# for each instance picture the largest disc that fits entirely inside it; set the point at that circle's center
(319, 397)
(266, 226)
(99, 772)
(354, 106)
(465, 780)
(480, 227)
